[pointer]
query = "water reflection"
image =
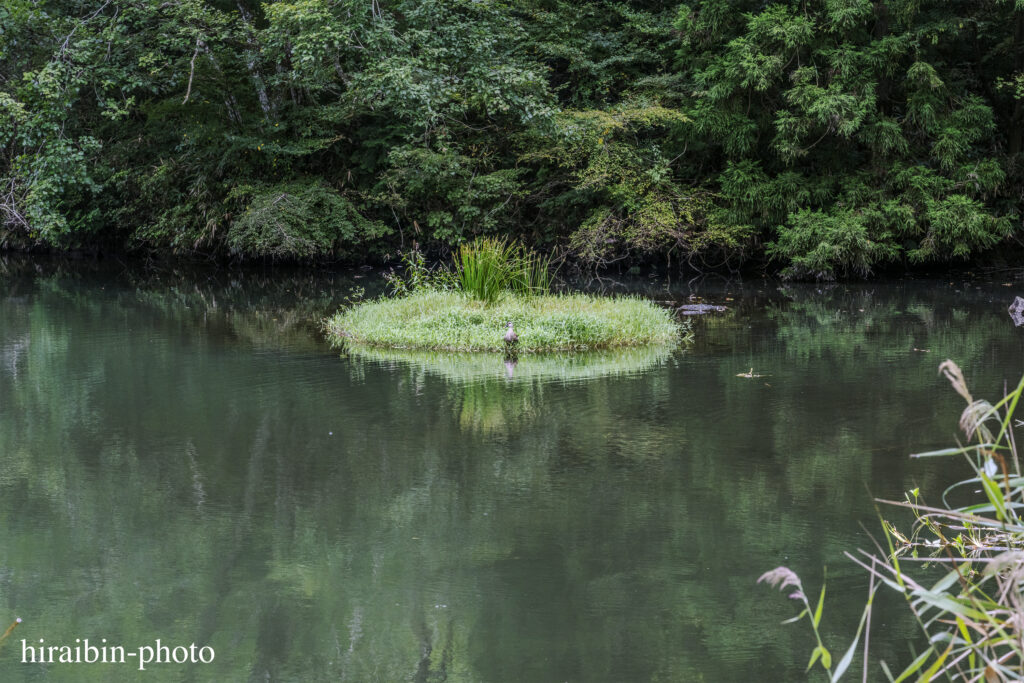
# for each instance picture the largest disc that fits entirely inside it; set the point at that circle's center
(488, 367)
(183, 458)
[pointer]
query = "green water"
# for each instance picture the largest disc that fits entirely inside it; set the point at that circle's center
(182, 457)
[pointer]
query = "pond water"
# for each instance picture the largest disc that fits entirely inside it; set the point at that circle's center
(182, 457)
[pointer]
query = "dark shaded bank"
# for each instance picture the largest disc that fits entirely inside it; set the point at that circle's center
(370, 265)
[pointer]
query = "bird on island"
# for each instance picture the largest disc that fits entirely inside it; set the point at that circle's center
(511, 342)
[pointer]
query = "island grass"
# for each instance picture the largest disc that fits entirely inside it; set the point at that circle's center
(452, 321)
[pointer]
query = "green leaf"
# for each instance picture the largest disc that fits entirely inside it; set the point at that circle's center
(821, 605)
(950, 451)
(994, 495)
(962, 626)
(931, 671)
(814, 656)
(847, 658)
(798, 617)
(915, 665)
(943, 584)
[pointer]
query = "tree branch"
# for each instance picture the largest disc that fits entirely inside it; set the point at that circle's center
(192, 70)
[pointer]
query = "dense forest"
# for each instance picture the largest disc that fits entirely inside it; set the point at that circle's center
(826, 138)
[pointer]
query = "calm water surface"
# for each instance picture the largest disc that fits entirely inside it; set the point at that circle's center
(183, 458)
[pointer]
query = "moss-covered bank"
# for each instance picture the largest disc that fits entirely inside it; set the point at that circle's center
(451, 321)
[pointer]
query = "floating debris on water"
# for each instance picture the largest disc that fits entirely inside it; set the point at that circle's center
(700, 309)
(1017, 311)
(9, 629)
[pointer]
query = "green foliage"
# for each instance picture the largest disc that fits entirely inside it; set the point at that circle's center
(418, 277)
(818, 245)
(455, 195)
(957, 225)
(623, 131)
(843, 128)
(299, 221)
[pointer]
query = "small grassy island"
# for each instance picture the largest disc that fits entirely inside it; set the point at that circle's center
(492, 284)
(453, 321)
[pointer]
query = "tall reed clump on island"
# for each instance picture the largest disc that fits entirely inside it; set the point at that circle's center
(960, 568)
(488, 267)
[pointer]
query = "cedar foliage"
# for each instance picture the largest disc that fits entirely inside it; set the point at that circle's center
(829, 136)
